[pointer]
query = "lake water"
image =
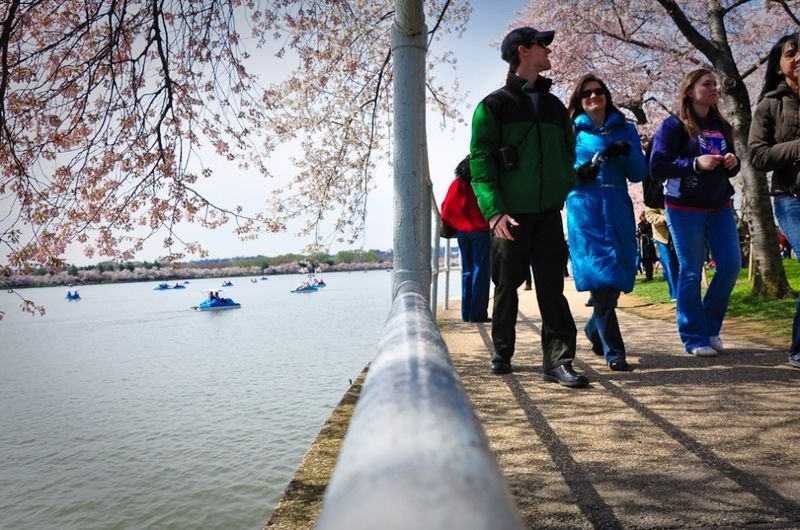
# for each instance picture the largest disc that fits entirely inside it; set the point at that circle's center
(128, 410)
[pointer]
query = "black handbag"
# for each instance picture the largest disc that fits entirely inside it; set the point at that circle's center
(447, 231)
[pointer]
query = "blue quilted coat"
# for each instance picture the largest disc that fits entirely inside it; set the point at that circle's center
(600, 223)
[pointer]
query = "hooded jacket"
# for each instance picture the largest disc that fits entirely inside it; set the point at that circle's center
(774, 139)
(537, 125)
(600, 221)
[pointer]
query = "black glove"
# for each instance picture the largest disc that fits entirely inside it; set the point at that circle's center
(588, 171)
(617, 148)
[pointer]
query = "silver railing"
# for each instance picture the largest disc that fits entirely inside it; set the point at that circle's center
(436, 244)
(437, 228)
(415, 456)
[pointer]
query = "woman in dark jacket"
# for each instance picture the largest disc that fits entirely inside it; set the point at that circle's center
(775, 146)
(693, 154)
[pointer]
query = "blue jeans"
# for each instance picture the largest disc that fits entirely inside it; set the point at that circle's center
(669, 267)
(602, 329)
(787, 210)
(700, 318)
(475, 275)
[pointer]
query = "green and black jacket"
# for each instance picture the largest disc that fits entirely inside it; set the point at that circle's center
(545, 142)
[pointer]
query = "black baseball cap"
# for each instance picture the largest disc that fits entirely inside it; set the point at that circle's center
(524, 36)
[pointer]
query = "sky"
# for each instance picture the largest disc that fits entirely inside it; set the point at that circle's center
(480, 70)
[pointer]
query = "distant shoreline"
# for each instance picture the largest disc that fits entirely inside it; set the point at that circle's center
(167, 274)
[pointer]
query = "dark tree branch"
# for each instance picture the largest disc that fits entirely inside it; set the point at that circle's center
(439, 19)
(688, 30)
(734, 5)
(749, 71)
(787, 9)
(5, 39)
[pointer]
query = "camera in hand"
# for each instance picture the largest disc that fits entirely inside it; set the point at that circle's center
(508, 157)
(588, 171)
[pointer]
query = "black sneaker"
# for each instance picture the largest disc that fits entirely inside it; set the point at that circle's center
(619, 366)
(500, 365)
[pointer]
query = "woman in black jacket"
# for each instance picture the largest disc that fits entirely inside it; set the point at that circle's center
(775, 146)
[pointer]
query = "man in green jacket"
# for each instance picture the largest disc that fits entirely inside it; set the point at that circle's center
(521, 157)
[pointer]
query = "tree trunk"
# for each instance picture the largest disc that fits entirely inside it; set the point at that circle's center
(412, 199)
(769, 277)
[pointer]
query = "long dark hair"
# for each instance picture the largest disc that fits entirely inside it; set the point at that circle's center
(773, 77)
(691, 121)
(462, 170)
(576, 109)
(513, 64)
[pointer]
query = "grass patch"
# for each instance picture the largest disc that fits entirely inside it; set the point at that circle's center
(779, 313)
(655, 291)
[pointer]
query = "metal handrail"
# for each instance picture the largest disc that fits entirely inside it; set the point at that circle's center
(437, 229)
(447, 269)
(415, 456)
(436, 242)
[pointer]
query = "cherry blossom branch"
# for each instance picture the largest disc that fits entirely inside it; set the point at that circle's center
(785, 6)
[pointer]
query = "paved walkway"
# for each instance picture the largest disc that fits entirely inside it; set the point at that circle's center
(679, 442)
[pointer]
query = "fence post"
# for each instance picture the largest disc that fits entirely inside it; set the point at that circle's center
(412, 224)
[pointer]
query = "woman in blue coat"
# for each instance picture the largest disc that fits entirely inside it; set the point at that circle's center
(600, 222)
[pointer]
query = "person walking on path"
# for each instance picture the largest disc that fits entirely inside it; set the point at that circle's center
(694, 153)
(600, 221)
(460, 210)
(666, 251)
(521, 158)
(647, 251)
(774, 144)
(653, 194)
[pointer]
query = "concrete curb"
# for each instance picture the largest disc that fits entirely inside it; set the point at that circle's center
(299, 507)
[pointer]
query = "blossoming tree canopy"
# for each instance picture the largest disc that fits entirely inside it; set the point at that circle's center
(108, 109)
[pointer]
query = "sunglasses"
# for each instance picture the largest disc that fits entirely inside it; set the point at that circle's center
(596, 91)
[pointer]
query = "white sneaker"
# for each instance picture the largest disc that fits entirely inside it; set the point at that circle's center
(794, 359)
(703, 351)
(716, 343)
